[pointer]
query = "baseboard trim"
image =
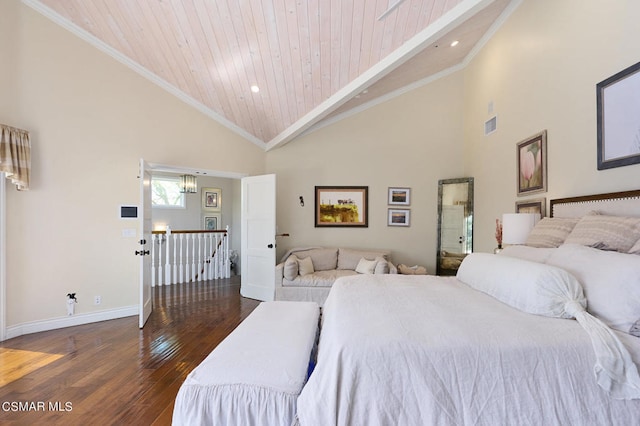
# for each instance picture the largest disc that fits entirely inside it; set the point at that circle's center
(70, 321)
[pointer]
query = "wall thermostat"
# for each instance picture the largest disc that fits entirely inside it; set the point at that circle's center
(128, 212)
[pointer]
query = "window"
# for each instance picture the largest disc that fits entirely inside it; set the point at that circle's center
(165, 192)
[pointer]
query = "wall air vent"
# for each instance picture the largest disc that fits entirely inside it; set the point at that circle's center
(490, 125)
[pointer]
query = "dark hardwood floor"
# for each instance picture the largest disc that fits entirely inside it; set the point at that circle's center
(112, 372)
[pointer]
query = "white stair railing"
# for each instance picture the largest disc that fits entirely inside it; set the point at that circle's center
(187, 256)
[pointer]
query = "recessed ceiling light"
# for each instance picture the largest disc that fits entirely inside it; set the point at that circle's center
(255, 89)
(454, 43)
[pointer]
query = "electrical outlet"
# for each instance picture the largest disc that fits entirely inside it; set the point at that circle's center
(97, 300)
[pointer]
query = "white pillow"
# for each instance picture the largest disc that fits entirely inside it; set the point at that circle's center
(528, 286)
(546, 290)
(534, 254)
(305, 266)
(382, 266)
(611, 282)
(366, 266)
(291, 268)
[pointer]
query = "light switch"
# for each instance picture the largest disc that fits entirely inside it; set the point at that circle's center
(129, 233)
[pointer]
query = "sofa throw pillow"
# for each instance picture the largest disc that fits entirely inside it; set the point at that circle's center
(636, 248)
(291, 268)
(551, 232)
(305, 266)
(324, 259)
(349, 258)
(366, 266)
(382, 266)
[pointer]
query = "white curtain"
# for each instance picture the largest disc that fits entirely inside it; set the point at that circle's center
(15, 156)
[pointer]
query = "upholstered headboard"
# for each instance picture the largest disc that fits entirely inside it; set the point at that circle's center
(625, 203)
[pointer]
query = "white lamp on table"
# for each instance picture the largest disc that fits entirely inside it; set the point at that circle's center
(517, 226)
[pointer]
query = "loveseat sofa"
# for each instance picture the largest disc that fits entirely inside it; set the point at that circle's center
(307, 274)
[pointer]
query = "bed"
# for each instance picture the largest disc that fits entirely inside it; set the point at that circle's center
(507, 341)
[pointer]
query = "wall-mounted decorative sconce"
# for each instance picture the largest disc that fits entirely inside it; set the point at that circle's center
(188, 184)
(301, 201)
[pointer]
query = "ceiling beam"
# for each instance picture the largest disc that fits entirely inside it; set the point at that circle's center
(432, 33)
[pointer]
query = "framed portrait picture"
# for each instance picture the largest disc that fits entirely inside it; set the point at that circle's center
(342, 206)
(537, 205)
(211, 199)
(399, 197)
(618, 112)
(531, 157)
(399, 217)
(211, 222)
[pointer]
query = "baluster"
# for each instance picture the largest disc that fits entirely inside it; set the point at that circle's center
(186, 258)
(212, 271)
(167, 265)
(181, 265)
(153, 260)
(199, 257)
(225, 254)
(174, 267)
(193, 257)
(160, 270)
(206, 271)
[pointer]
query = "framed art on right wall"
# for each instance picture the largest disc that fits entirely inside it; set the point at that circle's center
(618, 107)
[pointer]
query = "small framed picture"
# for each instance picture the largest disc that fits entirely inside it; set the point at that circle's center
(211, 222)
(399, 196)
(211, 199)
(537, 205)
(531, 157)
(399, 217)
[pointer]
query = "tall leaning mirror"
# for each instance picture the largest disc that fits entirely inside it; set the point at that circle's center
(455, 223)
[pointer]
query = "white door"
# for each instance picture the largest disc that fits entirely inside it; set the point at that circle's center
(146, 305)
(258, 240)
(453, 229)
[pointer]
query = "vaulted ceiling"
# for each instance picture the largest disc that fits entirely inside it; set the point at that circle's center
(271, 69)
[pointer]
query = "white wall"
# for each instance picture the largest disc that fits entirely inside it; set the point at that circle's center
(410, 141)
(91, 119)
(540, 70)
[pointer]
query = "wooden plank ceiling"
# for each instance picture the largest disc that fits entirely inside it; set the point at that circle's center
(309, 58)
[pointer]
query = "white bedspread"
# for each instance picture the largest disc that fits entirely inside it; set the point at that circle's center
(422, 350)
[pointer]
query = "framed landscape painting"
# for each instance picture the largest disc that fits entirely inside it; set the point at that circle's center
(398, 217)
(399, 197)
(342, 206)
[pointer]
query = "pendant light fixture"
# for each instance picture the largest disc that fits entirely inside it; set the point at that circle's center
(188, 184)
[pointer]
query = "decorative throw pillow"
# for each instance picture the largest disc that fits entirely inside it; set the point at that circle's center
(636, 248)
(305, 266)
(366, 266)
(551, 232)
(291, 268)
(613, 233)
(382, 266)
